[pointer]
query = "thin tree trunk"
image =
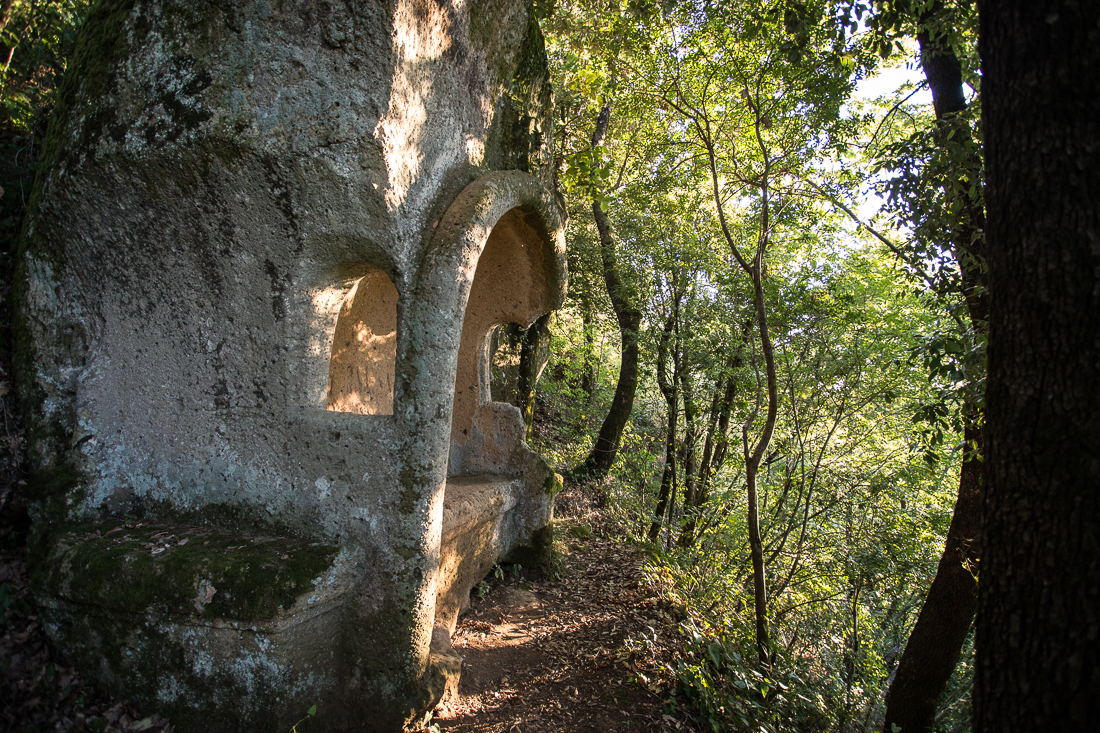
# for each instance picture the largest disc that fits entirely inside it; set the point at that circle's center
(714, 453)
(606, 447)
(698, 496)
(532, 360)
(687, 448)
(753, 455)
(1038, 623)
(937, 638)
(668, 391)
(588, 376)
(752, 467)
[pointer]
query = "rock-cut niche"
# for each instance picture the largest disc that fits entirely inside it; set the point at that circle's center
(364, 348)
(509, 287)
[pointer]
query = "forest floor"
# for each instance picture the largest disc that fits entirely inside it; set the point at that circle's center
(590, 651)
(590, 647)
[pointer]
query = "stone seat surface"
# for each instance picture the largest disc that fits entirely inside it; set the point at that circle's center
(474, 514)
(143, 567)
(470, 499)
(475, 537)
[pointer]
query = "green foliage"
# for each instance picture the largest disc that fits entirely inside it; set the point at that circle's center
(309, 714)
(585, 175)
(727, 693)
(38, 38)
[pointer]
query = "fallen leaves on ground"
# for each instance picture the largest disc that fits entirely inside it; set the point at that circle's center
(37, 694)
(592, 651)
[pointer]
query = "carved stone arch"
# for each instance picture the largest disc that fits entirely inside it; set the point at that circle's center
(509, 286)
(499, 215)
(498, 254)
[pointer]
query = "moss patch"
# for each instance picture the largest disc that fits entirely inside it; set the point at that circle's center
(536, 554)
(140, 567)
(54, 481)
(553, 484)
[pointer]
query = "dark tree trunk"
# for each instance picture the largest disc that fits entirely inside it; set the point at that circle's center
(1038, 628)
(714, 454)
(691, 428)
(668, 391)
(533, 354)
(944, 621)
(602, 456)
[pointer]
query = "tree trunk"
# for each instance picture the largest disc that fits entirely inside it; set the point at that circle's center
(602, 456)
(714, 452)
(668, 390)
(937, 638)
(752, 461)
(1038, 629)
(691, 428)
(754, 268)
(533, 354)
(944, 621)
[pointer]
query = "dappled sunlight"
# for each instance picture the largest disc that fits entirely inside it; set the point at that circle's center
(364, 349)
(421, 35)
(593, 650)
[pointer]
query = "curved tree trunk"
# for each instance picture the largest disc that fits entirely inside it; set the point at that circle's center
(753, 451)
(944, 621)
(937, 638)
(753, 459)
(606, 448)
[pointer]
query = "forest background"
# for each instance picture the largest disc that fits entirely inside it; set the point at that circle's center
(771, 364)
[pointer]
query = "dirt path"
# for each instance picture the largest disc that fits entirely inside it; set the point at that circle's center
(588, 652)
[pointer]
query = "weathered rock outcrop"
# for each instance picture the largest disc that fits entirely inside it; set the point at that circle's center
(263, 254)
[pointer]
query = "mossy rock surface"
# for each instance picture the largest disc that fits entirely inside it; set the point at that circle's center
(143, 567)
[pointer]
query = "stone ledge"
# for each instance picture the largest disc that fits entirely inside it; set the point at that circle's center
(205, 573)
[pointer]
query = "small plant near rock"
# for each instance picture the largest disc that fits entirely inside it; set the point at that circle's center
(581, 531)
(309, 714)
(428, 725)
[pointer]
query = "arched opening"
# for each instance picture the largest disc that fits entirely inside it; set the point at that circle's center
(364, 348)
(509, 286)
(493, 500)
(497, 256)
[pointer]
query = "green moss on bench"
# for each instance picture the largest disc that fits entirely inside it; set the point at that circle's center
(143, 567)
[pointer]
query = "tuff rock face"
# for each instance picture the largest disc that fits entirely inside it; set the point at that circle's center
(265, 249)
